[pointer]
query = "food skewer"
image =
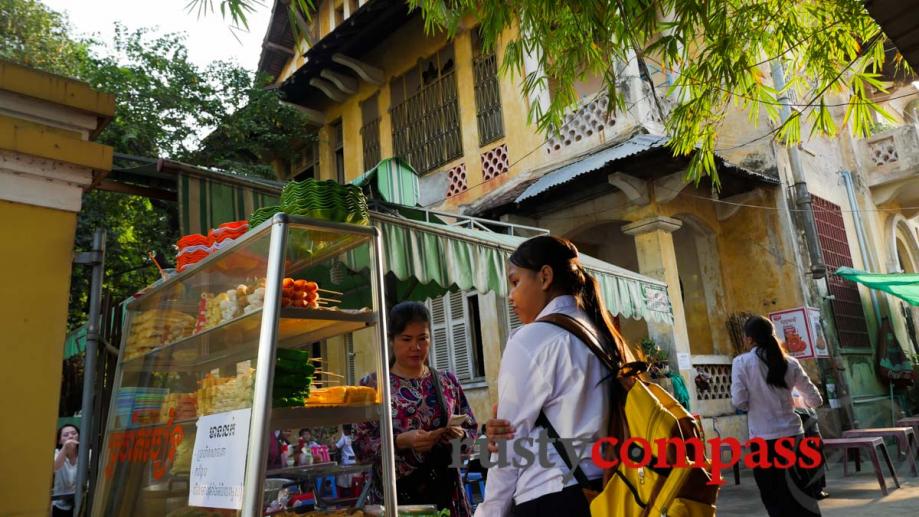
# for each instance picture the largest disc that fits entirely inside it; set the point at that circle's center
(329, 291)
(152, 257)
(323, 372)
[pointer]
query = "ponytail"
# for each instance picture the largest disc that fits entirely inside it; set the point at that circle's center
(570, 277)
(591, 302)
(768, 349)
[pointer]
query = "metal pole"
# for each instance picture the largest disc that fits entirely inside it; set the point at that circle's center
(862, 240)
(388, 466)
(802, 195)
(96, 258)
(256, 460)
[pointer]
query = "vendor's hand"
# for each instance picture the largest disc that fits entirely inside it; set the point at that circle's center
(452, 433)
(420, 440)
(497, 429)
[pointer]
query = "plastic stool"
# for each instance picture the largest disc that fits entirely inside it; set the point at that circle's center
(473, 477)
(331, 480)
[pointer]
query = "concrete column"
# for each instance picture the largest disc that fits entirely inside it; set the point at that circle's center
(657, 259)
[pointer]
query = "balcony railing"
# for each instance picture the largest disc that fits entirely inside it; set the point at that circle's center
(890, 155)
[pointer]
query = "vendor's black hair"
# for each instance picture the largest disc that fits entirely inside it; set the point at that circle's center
(405, 313)
(768, 349)
(60, 431)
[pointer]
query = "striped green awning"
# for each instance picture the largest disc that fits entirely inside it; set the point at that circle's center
(453, 257)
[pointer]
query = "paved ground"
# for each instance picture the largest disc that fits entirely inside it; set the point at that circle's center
(855, 495)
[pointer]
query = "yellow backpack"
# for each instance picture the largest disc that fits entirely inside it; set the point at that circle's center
(643, 410)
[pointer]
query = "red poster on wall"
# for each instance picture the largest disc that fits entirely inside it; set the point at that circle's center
(794, 329)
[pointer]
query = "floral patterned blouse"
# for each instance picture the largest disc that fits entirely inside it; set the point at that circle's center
(415, 406)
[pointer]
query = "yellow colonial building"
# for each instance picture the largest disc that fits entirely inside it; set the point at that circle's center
(47, 162)
(377, 86)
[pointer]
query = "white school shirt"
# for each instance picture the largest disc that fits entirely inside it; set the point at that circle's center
(771, 410)
(546, 368)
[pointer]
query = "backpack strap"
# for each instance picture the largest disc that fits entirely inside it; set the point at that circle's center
(588, 335)
(543, 421)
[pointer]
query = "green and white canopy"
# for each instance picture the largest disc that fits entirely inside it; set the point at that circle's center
(450, 256)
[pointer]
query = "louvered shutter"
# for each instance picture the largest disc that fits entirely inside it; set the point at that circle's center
(513, 322)
(440, 338)
(460, 338)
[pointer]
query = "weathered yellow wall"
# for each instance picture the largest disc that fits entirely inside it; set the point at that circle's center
(762, 279)
(35, 251)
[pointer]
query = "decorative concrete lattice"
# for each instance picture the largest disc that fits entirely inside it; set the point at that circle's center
(495, 162)
(884, 151)
(719, 381)
(456, 180)
(581, 123)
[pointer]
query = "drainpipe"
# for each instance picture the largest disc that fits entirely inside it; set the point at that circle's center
(802, 196)
(862, 241)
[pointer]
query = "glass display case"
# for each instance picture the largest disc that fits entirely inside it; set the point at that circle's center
(270, 333)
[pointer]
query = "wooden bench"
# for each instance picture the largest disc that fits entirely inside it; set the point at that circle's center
(905, 436)
(872, 444)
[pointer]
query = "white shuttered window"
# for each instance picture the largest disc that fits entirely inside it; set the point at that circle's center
(456, 337)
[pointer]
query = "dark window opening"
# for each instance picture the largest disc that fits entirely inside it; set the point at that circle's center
(338, 145)
(487, 93)
(370, 131)
(478, 354)
(425, 113)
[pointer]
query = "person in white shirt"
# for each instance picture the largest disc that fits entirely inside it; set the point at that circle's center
(343, 445)
(762, 381)
(65, 469)
(545, 370)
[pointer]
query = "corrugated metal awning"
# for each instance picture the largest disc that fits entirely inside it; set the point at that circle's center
(635, 146)
(631, 147)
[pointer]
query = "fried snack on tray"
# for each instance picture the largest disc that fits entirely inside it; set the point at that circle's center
(154, 328)
(341, 396)
(219, 394)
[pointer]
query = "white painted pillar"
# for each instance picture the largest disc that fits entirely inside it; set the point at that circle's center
(657, 259)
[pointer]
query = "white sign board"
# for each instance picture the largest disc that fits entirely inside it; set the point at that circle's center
(684, 361)
(218, 467)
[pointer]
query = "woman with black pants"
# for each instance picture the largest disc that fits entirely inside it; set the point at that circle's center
(761, 383)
